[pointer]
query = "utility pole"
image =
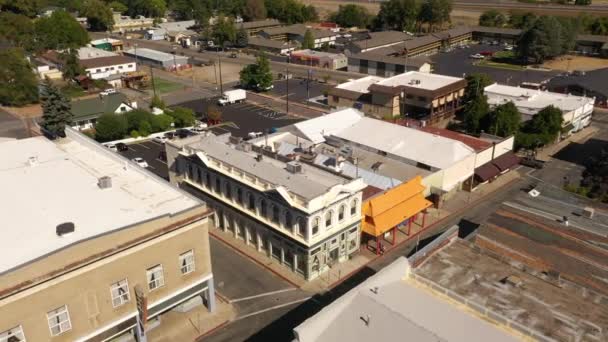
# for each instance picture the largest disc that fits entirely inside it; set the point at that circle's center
(287, 95)
(219, 60)
(153, 83)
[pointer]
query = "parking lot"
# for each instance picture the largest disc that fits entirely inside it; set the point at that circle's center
(297, 90)
(458, 63)
(246, 116)
(150, 152)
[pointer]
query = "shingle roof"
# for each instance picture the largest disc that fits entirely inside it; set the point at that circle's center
(382, 38)
(259, 23)
(105, 61)
(94, 107)
(263, 42)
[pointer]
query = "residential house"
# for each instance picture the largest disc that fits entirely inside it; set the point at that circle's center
(87, 111)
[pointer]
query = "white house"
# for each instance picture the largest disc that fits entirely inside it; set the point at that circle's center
(86, 111)
(102, 67)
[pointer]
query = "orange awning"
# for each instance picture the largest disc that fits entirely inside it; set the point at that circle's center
(385, 211)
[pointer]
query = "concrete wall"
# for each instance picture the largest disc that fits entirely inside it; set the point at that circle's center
(498, 150)
(457, 173)
(103, 72)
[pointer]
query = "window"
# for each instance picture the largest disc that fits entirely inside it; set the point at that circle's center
(228, 191)
(315, 225)
(97, 70)
(120, 67)
(288, 220)
(353, 207)
(301, 226)
(207, 179)
(263, 208)
(239, 196)
(186, 262)
(251, 201)
(120, 293)
(155, 277)
(12, 335)
(218, 185)
(59, 320)
(336, 98)
(421, 98)
(409, 96)
(275, 214)
(341, 212)
(328, 218)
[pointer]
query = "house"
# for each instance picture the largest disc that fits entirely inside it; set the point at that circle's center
(296, 33)
(108, 44)
(326, 60)
(377, 40)
(46, 70)
(254, 27)
(106, 238)
(124, 23)
(86, 111)
(297, 215)
(157, 58)
(181, 37)
(428, 98)
(88, 52)
(274, 46)
(576, 110)
(102, 67)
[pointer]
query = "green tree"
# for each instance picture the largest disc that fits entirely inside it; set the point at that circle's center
(60, 31)
(548, 123)
(599, 26)
(582, 2)
(254, 10)
(200, 11)
(110, 127)
(161, 122)
(99, 15)
(435, 13)
(544, 39)
(71, 66)
(157, 102)
(351, 15)
(136, 119)
(475, 113)
(19, 84)
(147, 8)
(522, 21)
(28, 8)
(290, 11)
(309, 40)
(182, 117)
(118, 6)
(476, 82)
(242, 38)
(504, 120)
(145, 128)
(56, 108)
(257, 75)
(223, 31)
(492, 18)
(397, 15)
(17, 29)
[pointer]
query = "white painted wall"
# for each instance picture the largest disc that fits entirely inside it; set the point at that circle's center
(105, 71)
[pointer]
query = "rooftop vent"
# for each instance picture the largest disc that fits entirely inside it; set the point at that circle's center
(414, 82)
(104, 182)
(367, 319)
(259, 157)
(64, 229)
(32, 161)
(294, 167)
(374, 289)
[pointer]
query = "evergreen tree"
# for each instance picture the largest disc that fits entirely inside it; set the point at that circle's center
(19, 84)
(309, 40)
(504, 120)
(242, 38)
(475, 113)
(56, 108)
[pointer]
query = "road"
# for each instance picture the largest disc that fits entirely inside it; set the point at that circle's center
(11, 127)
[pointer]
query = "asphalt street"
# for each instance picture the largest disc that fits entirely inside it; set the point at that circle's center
(11, 127)
(298, 91)
(150, 152)
(458, 63)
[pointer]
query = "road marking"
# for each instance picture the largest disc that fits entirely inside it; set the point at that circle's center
(162, 161)
(290, 94)
(142, 145)
(272, 308)
(151, 167)
(261, 295)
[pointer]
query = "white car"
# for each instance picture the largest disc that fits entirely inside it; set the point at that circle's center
(140, 162)
(508, 48)
(161, 140)
(198, 129)
(477, 56)
(108, 92)
(112, 147)
(253, 135)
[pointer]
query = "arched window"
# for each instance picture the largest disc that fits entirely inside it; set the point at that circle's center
(251, 200)
(228, 190)
(341, 212)
(288, 220)
(329, 216)
(239, 196)
(301, 226)
(275, 213)
(353, 207)
(263, 211)
(315, 225)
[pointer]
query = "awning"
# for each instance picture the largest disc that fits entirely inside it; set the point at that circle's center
(486, 171)
(506, 161)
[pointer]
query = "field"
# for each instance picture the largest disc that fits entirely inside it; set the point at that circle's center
(230, 73)
(164, 86)
(570, 63)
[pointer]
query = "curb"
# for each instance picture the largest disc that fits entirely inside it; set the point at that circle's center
(254, 260)
(457, 212)
(214, 329)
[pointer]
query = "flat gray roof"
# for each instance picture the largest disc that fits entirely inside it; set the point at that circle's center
(152, 54)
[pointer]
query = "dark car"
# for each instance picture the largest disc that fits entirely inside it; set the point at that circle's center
(532, 162)
(162, 155)
(183, 133)
(169, 135)
(121, 147)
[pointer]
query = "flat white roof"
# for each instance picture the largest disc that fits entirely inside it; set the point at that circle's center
(530, 101)
(426, 81)
(316, 129)
(390, 306)
(152, 54)
(360, 85)
(62, 187)
(104, 40)
(88, 52)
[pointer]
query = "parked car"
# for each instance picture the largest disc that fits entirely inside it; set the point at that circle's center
(508, 48)
(253, 135)
(260, 88)
(233, 55)
(140, 162)
(160, 140)
(169, 135)
(532, 162)
(108, 92)
(199, 129)
(183, 133)
(122, 147)
(112, 147)
(476, 56)
(487, 53)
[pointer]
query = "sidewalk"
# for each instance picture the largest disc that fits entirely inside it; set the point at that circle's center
(188, 326)
(458, 203)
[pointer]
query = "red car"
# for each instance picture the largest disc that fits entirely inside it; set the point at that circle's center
(487, 53)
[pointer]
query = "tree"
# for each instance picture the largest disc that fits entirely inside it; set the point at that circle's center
(19, 84)
(257, 75)
(60, 31)
(147, 8)
(192, 10)
(476, 82)
(544, 39)
(17, 29)
(504, 120)
(351, 15)
(139, 120)
(492, 18)
(435, 13)
(161, 122)
(182, 117)
(223, 31)
(309, 40)
(118, 7)
(71, 66)
(157, 102)
(582, 2)
(290, 11)
(110, 127)
(99, 15)
(397, 15)
(475, 113)
(599, 26)
(29, 8)
(254, 10)
(242, 38)
(56, 108)
(522, 21)
(214, 115)
(543, 129)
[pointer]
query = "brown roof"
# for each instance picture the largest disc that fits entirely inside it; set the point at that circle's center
(349, 94)
(299, 29)
(453, 32)
(105, 61)
(501, 30)
(259, 24)
(269, 43)
(506, 161)
(473, 142)
(382, 38)
(373, 56)
(371, 191)
(420, 42)
(486, 172)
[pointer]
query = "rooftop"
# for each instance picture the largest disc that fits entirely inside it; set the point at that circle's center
(308, 52)
(60, 181)
(177, 25)
(530, 101)
(88, 52)
(360, 85)
(259, 23)
(475, 143)
(594, 80)
(105, 61)
(263, 42)
(382, 38)
(375, 55)
(391, 305)
(151, 54)
(420, 80)
(560, 312)
(105, 40)
(300, 29)
(96, 106)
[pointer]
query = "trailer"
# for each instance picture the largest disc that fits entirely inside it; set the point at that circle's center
(232, 96)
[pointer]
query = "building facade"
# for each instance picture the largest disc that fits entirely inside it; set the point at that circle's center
(102, 67)
(302, 217)
(86, 255)
(333, 61)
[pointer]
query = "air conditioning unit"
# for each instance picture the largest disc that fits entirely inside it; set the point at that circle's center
(294, 167)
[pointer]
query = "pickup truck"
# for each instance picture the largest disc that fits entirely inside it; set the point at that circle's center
(232, 96)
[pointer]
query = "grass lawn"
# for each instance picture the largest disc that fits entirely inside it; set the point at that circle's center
(72, 91)
(501, 65)
(163, 86)
(504, 54)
